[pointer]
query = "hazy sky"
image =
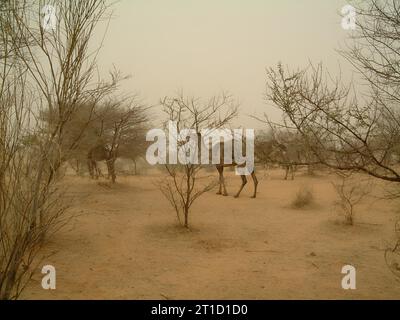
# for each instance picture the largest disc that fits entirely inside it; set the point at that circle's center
(205, 46)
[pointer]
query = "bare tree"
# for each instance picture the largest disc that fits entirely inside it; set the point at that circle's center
(134, 145)
(182, 187)
(40, 70)
(117, 131)
(284, 148)
(348, 133)
(351, 193)
(345, 132)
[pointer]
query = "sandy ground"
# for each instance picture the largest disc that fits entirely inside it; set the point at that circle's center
(125, 244)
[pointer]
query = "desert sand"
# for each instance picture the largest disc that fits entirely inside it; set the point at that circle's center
(124, 243)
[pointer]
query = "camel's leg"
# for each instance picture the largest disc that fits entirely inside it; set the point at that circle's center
(253, 175)
(287, 171)
(292, 171)
(220, 170)
(244, 181)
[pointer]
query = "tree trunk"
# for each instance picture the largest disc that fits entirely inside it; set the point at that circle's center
(134, 167)
(186, 218)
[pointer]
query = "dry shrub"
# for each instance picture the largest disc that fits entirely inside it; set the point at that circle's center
(392, 254)
(304, 198)
(350, 193)
(182, 186)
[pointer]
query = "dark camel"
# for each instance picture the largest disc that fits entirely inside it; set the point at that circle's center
(220, 167)
(100, 153)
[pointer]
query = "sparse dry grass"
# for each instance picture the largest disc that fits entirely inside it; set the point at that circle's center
(303, 199)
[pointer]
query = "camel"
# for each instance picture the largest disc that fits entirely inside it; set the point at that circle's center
(220, 168)
(286, 155)
(100, 153)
